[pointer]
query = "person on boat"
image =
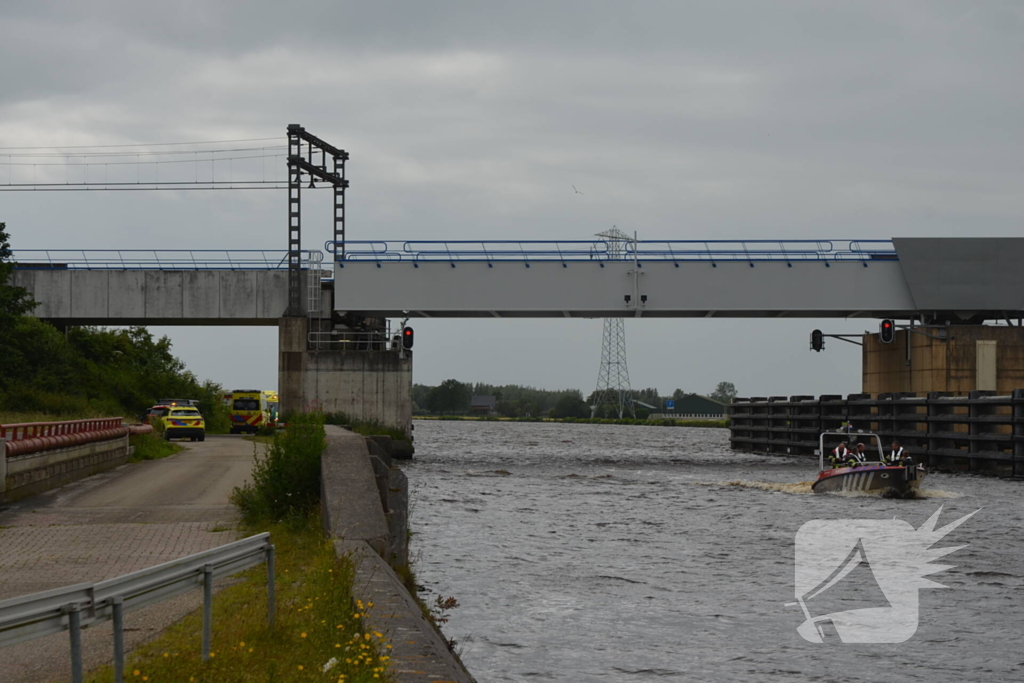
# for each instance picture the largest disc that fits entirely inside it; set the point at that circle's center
(840, 454)
(896, 454)
(859, 456)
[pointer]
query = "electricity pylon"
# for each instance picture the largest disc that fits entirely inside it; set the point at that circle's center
(613, 376)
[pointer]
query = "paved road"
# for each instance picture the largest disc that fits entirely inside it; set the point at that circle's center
(113, 523)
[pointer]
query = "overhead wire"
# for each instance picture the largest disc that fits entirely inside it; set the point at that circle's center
(99, 155)
(139, 153)
(145, 144)
(134, 163)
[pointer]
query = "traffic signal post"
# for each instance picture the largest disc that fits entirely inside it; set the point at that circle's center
(818, 339)
(886, 335)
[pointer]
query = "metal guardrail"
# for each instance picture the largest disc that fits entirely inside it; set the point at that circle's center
(34, 437)
(29, 430)
(73, 608)
(707, 251)
(151, 259)
(354, 340)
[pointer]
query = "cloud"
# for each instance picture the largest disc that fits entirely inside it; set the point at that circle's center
(466, 120)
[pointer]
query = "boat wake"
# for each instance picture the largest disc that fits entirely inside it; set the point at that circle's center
(800, 487)
(804, 487)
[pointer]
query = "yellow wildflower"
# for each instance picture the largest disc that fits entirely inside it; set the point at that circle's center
(303, 635)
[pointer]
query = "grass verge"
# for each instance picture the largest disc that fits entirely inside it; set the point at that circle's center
(317, 621)
(151, 447)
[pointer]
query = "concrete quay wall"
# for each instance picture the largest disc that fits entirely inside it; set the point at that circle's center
(365, 507)
(27, 475)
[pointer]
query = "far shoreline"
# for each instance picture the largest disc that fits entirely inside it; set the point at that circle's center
(660, 422)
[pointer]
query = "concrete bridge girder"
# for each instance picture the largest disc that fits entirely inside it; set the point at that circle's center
(157, 297)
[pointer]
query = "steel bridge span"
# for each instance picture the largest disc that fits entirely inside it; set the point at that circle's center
(956, 279)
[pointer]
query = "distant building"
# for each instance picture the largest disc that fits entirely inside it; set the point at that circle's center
(694, 406)
(482, 405)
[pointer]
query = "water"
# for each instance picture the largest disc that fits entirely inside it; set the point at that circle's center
(601, 553)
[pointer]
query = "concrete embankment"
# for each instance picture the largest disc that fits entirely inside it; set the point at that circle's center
(365, 509)
(26, 475)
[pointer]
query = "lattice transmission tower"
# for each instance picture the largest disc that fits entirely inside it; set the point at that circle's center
(613, 376)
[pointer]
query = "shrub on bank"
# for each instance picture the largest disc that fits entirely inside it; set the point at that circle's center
(364, 427)
(151, 446)
(286, 478)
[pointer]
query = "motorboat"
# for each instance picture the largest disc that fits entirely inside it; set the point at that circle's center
(893, 480)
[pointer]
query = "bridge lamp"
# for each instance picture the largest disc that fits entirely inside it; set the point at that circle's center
(886, 332)
(407, 338)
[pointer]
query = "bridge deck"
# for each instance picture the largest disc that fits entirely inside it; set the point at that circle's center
(954, 278)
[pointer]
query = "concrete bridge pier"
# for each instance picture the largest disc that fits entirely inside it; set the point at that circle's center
(370, 385)
(957, 359)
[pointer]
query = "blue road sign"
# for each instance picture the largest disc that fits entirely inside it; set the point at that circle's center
(670, 404)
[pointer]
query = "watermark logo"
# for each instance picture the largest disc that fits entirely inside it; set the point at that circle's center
(858, 579)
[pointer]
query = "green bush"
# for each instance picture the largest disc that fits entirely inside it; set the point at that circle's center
(286, 478)
(364, 427)
(151, 447)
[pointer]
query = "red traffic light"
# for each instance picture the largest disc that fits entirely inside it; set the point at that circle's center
(886, 332)
(406, 337)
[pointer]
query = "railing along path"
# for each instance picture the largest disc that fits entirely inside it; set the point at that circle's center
(73, 608)
(33, 437)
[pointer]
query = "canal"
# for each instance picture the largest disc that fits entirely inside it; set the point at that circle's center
(608, 553)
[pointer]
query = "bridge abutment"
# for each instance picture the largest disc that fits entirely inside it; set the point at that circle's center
(365, 385)
(971, 358)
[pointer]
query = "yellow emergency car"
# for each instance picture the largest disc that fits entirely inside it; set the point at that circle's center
(184, 422)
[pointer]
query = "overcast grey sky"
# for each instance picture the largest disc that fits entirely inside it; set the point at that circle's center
(680, 120)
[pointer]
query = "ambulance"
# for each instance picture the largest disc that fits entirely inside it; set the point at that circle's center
(249, 411)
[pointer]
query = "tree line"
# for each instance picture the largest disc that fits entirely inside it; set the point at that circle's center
(452, 397)
(87, 371)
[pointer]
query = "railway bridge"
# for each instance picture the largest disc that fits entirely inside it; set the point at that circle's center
(336, 348)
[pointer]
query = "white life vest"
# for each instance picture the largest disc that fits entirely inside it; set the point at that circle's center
(841, 456)
(896, 455)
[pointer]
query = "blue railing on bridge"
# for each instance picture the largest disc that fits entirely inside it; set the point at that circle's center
(708, 251)
(153, 259)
